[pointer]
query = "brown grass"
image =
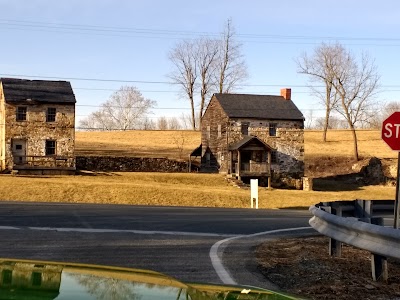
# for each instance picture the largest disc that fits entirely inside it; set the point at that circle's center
(156, 143)
(166, 189)
(185, 189)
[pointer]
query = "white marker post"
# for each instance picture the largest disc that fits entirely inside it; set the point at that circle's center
(254, 192)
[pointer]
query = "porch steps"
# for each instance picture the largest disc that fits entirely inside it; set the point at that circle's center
(238, 183)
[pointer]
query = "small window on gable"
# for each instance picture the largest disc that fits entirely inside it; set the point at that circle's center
(219, 130)
(51, 114)
(245, 128)
(51, 147)
(21, 113)
(274, 157)
(208, 132)
(272, 129)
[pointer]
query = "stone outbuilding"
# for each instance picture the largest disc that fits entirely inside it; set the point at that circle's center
(37, 133)
(254, 136)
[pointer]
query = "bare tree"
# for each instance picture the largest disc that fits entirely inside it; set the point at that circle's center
(179, 141)
(207, 65)
(148, 124)
(162, 123)
(320, 67)
(207, 51)
(185, 73)
(173, 124)
(356, 85)
(123, 111)
(231, 68)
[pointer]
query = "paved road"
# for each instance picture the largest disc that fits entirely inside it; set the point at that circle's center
(172, 240)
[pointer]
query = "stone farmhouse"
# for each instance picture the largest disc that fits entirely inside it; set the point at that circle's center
(253, 136)
(37, 133)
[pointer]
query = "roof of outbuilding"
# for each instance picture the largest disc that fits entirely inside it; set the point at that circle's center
(19, 90)
(259, 107)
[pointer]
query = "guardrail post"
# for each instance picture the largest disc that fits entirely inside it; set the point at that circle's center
(379, 266)
(335, 247)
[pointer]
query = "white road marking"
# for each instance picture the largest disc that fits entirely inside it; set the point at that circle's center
(216, 261)
(105, 230)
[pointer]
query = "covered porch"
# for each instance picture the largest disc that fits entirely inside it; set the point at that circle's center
(250, 157)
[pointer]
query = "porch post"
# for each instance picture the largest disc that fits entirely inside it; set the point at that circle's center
(269, 169)
(230, 163)
(239, 163)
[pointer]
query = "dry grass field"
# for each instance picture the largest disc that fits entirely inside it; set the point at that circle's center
(156, 143)
(186, 189)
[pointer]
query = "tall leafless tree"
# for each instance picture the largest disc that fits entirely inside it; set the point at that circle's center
(320, 67)
(231, 68)
(125, 110)
(353, 83)
(185, 73)
(205, 66)
(356, 84)
(207, 51)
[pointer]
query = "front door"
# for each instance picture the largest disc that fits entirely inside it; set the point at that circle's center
(19, 151)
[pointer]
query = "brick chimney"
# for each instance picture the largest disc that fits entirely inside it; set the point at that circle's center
(286, 93)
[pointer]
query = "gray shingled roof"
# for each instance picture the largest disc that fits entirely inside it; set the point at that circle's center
(259, 107)
(19, 90)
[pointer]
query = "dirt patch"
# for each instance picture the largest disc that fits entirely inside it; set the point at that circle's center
(302, 266)
(323, 166)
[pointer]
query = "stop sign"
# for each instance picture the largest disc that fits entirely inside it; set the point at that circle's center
(391, 131)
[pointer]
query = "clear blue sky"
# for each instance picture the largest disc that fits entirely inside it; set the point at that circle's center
(130, 41)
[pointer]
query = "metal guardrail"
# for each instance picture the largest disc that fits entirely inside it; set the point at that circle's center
(374, 238)
(359, 223)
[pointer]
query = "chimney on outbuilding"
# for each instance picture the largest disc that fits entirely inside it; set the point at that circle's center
(286, 93)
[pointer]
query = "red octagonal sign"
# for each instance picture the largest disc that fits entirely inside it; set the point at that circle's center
(391, 131)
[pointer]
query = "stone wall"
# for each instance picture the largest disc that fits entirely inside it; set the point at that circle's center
(129, 164)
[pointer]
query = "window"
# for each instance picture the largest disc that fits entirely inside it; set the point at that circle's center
(36, 278)
(18, 147)
(272, 129)
(21, 113)
(208, 132)
(50, 147)
(245, 128)
(51, 114)
(208, 159)
(219, 130)
(274, 157)
(7, 277)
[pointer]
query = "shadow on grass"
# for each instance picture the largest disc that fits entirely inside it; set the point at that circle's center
(92, 173)
(332, 185)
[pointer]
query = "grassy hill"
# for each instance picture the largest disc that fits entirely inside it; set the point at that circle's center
(193, 189)
(156, 143)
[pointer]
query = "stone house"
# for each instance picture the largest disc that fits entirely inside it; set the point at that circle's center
(37, 133)
(254, 136)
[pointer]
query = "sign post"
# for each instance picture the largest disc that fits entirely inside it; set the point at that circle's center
(391, 135)
(254, 192)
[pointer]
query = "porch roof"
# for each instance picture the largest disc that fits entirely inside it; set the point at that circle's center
(197, 151)
(245, 141)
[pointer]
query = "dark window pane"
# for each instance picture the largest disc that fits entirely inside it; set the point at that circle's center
(51, 114)
(274, 157)
(272, 129)
(36, 279)
(7, 276)
(50, 147)
(18, 147)
(21, 113)
(245, 128)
